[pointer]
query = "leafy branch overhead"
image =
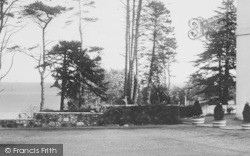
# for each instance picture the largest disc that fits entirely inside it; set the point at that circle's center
(42, 12)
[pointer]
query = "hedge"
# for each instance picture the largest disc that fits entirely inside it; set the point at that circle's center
(140, 115)
(187, 111)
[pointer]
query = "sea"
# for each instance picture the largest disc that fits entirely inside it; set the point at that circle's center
(16, 98)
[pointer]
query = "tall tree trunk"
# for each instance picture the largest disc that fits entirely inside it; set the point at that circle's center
(220, 80)
(169, 75)
(1, 28)
(137, 25)
(151, 67)
(131, 62)
(63, 82)
(3, 14)
(227, 73)
(0, 62)
(127, 42)
(226, 83)
(80, 23)
(42, 71)
(62, 95)
(42, 92)
(81, 48)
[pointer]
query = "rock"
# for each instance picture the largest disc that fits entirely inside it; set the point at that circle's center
(60, 118)
(66, 119)
(73, 119)
(52, 124)
(79, 124)
(58, 124)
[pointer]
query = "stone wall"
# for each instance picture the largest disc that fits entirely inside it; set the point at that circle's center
(66, 119)
(134, 115)
(16, 123)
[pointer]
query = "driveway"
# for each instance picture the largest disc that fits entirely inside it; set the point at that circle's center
(147, 141)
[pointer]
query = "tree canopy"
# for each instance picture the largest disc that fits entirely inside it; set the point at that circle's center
(76, 73)
(157, 30)
(218, 62)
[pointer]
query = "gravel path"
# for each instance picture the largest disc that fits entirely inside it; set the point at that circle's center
(157, 140)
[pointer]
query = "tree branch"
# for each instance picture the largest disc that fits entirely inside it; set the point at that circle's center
(12, 62)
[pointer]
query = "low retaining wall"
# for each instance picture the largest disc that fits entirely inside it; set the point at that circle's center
(134, 115)
(66, 119)
(15, 123)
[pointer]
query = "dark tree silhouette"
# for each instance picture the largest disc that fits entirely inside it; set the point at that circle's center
(218, 60)
(74, 69)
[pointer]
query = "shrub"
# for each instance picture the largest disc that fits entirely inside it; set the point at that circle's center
(197, 111)
(246, 113)
(218, 112)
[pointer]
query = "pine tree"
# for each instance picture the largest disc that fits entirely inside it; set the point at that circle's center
(217, 63)
(42, 15)
(158, 33)
(74, 69)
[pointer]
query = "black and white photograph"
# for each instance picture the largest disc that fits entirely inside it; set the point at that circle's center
(124, 77)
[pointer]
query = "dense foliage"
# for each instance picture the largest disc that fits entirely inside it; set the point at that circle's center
(76, 74)
(159, 95)
(246, 113)
(115, 86)
(215, 78)
(218, 112)
(141, 115)
(191, 110)
(40, 10)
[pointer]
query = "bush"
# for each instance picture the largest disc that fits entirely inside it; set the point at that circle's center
(246, 113)
(218, 112)
(197, 109)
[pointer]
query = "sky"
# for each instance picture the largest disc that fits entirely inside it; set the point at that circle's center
(109, 32)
